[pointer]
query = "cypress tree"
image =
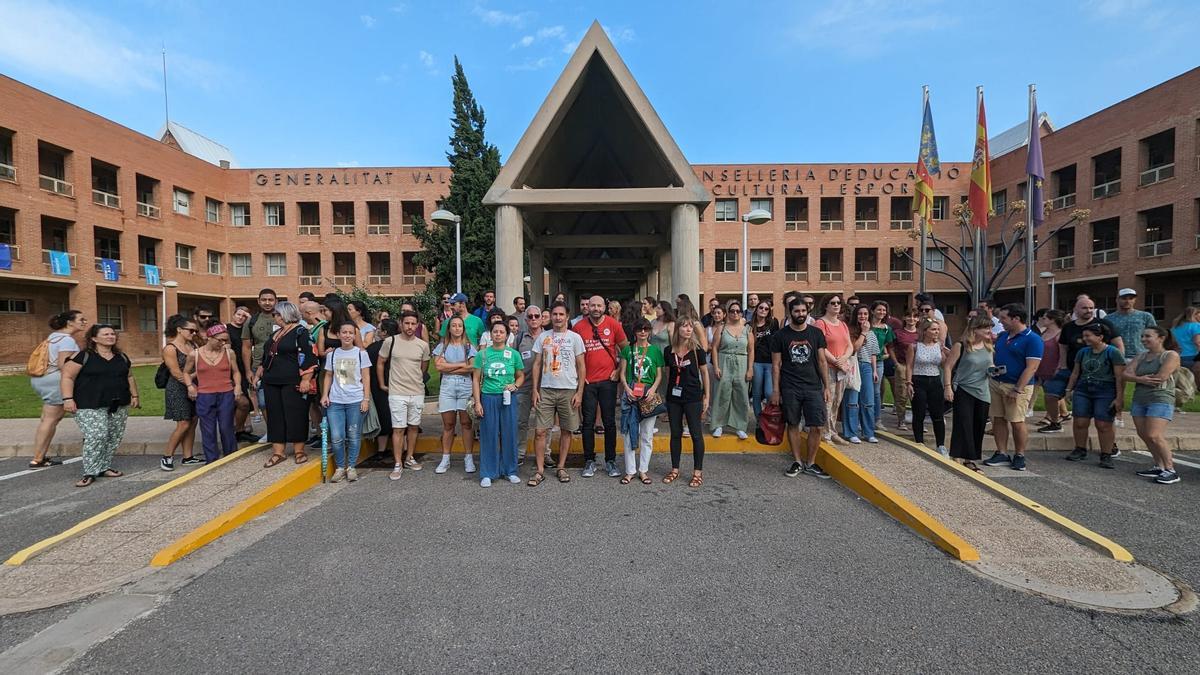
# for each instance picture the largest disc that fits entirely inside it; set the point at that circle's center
(474, 164)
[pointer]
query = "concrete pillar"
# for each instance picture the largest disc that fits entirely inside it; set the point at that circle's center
(537, 277)
(685, 251)
(552, 285)
(510, 247)
(664, 277)
(652, 283)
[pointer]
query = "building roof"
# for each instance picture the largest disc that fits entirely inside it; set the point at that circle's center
(196, 145)
(1016, 137)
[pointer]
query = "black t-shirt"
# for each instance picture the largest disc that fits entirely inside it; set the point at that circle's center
(101, 382)
(762, 340)
(1072, 337)
(293, 354)
(235, 343)
(684, 372)
(798, 355)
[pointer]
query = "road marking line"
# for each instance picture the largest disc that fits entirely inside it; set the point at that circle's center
(1147, 453)
(26, 472)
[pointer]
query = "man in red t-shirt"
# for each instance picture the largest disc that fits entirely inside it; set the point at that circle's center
(603, 339)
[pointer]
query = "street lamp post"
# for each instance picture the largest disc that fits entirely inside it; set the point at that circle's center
(758, 217)
(1053, 294)
(444, 217)
(163, 328)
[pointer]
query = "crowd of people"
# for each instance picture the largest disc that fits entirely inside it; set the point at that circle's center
(616, 369)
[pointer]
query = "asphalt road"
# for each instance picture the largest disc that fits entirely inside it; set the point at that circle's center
(752, 572)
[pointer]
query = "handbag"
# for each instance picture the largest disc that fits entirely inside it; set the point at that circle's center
(651, 404)
(163, 375)
(370, 423)
(854, 378)
(770, 425)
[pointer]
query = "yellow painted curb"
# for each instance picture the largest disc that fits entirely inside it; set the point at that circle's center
(849, 473)
(728, 443)
(291, 485)
(1097, 541)
(23, 556)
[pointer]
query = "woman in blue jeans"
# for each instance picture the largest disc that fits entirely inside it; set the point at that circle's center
(858, 407)
(1097, 391)
(762, 325)
(499, 372)
(346, 397)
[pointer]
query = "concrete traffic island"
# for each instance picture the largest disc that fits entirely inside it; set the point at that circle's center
(1020, 543)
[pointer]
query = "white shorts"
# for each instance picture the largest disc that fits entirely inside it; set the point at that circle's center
(406, 410)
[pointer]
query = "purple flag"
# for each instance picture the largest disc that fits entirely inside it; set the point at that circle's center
(1034, 167)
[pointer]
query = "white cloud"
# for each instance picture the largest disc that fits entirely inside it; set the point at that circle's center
(523, 42)
(619, 34)
(398, 8)
(866, 27)
(348, 165)
(426, 58)
(383, 78)
(497, 17)
(551, 32)
(569, 48)
(367, 20)
(99, 52)
(531, 64)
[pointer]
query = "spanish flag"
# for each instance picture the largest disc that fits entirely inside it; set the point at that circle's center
(927, 167)
(979, 197)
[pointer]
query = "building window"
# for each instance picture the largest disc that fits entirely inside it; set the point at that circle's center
(8, 226)
(941, 208)
(273, 215)
(831, 213)
(212, 211)
(726, 210)
(240, 214)
(727, 259)
(276, 264)
(1106, 238)
(242, 266)
(14, 306)
(767, 205)
(1000, 202)
(1106, 174)
(1158, 231)
(1156, 304)
(1157, 157)
(183, 202)
(935, 260)
(112, 315)
(214, 262)
(148, 319)
(795, 214)
(183, 256)
(761, 260)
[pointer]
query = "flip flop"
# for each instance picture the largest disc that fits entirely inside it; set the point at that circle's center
(85, 481)
(275, 459)
(112, 473)
(626, 479)
(44, 463)
(563, 476)
(645, 479)
(301, 457)
(537, 479)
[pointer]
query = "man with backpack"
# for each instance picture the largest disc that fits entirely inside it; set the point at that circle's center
(603, 337)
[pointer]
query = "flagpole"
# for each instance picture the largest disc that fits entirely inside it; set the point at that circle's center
(1030, 291)
(920, 218)
(979, 249)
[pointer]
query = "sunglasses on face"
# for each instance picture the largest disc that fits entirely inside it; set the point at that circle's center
(835, 302)
(735, 311)
(926, 309)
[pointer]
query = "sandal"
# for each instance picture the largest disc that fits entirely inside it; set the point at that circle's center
(275, 459)
(44, 463)
(696, 481)
(972, 466)
(536, 480)
(112, 473)
(670, 477)
(301, 457)
(627, 479)
(563, 476)
(85, 481)
(645, 479)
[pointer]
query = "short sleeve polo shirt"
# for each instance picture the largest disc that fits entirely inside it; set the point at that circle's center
(1011, 352)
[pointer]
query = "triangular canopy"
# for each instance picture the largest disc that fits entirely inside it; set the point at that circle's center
(596, 136)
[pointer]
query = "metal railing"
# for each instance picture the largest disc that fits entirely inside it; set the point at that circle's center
(120, 265)
(412, 279)
(56, 186)
(900, 275)
(866, 225)
(344, 280)
(1153, 249)
(310, 280)
(904, 224)
(795, 226)
(379, 279)
(1112, 187)
(379, 229)
(406, 228)
(831, 276)
(343, 229)
(1062, 202)
(795, 276)
(827, 225)
(1108, 255)
(1065, 262)
(1155, 174)
(148, 210)
(46, 257)
(309, 229)
(106, 199)
(8, 172)
(866, 276)
(15, 251)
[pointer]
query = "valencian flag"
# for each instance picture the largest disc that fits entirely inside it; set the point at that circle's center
(979, 196)
(1034, 167)
(110, 268)
(927, 167)
(151, 274)
(60, 263)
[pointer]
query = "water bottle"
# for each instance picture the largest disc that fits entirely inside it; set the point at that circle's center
(507, 397)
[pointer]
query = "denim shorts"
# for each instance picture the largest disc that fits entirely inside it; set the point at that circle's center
(1165, 411)
(1094, 400)
(1057, 385)
(455, 393)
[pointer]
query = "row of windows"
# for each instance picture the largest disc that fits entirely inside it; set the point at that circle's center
(796, 260)
(832, 210)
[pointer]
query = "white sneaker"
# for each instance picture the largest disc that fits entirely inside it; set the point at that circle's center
(514, 478)
(470, 465)
(262, 439)
(741, 434)
(943, 451)
(338, 475)
(908, 417)
(351, 474)
(397, 472)
(486, 482)
(872, 440)
(855, 440)
(717, 432)
(444, 465)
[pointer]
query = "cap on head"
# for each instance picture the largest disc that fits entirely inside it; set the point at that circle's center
(458, 297)
(1126, 292)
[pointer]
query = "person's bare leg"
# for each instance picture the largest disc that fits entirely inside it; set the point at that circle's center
(51, 416)
(298, 448)
(448, 420)
(467, 433)
(176, 438)
(398, 445)
(1052, 409)
(1107, 435)
(1020, 437)
(793, 436)
(410, 445)
(1079, 429)
(564, 446)
(539, 449)
(999, 431)
(241, 412)
(189, 439)
(1155, 427)
(814, 443)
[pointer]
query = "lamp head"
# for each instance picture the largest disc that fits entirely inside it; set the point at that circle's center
(444, 217)
(757, 217)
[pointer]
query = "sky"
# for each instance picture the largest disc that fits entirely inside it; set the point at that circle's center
(322, 84)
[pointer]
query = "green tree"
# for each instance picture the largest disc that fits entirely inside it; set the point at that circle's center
(474, 164)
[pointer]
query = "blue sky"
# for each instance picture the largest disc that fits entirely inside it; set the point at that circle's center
(310, 83)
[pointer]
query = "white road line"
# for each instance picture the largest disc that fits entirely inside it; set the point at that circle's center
(1142, 452)
(26, 472)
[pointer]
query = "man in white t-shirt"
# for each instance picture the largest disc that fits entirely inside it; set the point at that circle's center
(404, 383)
(559, 372)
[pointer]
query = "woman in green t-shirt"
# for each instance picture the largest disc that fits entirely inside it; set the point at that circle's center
(641, 372)
(498, 374)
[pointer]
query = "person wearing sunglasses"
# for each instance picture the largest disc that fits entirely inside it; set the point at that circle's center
(603, 337)
(839, 351)
(212, 379)
(732, 347)
(178, 407)
(762, 326)
(526, 330)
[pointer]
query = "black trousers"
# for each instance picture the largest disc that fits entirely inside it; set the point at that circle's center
(287, 414)
(676, 412)
(970, 416)
(929, 397)
(604, 393)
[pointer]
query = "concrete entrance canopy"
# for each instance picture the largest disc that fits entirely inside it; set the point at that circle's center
(597, 190)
